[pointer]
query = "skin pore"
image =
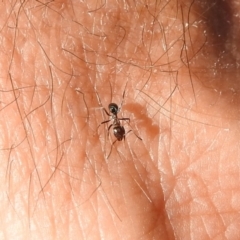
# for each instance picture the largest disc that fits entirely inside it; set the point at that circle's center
(174, 67)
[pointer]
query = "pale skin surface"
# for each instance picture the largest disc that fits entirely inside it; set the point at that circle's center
(60, 61)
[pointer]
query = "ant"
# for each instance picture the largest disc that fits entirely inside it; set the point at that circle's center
(118, 130)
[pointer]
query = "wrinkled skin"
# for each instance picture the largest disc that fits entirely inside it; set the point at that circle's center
(175, 65)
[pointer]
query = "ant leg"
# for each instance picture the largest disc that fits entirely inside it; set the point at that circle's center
(103, 123)
(106, 121)
(127, 133)
(111, 149)
(124, 119)
(134, 134)
(137, 136)
(110, 127)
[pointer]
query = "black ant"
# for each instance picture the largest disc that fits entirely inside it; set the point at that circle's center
(118, 129)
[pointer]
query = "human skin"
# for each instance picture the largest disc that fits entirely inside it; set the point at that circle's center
(173, 66)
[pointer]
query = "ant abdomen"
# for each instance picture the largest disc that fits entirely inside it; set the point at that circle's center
(119, 132)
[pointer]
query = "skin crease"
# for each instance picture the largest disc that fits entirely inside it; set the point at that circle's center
(61, 62)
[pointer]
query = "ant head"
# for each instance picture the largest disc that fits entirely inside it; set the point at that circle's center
(113, 108)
